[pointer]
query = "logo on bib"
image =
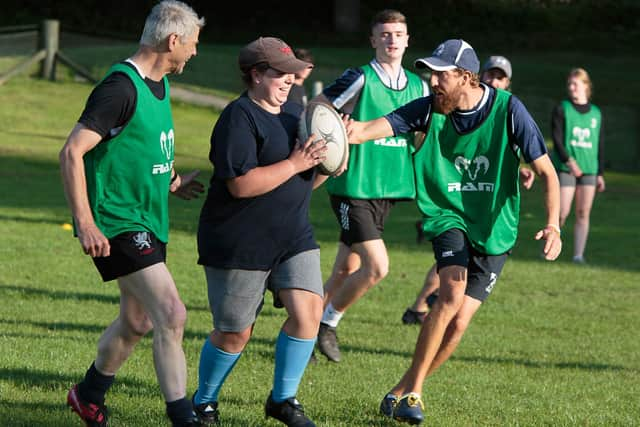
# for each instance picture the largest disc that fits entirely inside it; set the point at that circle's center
(167, 147)
(471, 168)
(581, 137)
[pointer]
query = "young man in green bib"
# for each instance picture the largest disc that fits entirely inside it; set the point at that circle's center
(117, 168)
(379, 173)
(467, 190)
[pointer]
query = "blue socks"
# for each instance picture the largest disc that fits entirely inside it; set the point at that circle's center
(215, 366)
(292, 355)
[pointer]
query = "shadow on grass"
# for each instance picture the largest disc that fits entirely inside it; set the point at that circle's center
(62, 295)
(60, 138)
(28, 414)
(49, 220)
(586, 366)
(59, 382)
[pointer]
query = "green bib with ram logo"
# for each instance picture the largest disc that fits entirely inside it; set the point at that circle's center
(581, 138)
(379, 169)
(470, 181)
(128, 176)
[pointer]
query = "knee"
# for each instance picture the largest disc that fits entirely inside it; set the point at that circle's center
(582, 215)
(314, 315)
(307, 316)
(231, 342)
(450, 302)
(175, 315)
(377, 271)
(459, 326)
(140, 327)
(134, 327)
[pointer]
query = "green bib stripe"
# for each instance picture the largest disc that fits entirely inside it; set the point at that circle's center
(470, 181)
(380, 169)
(581, 138)
(128, 176)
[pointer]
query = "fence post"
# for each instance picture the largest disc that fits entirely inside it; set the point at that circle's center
(49, 41)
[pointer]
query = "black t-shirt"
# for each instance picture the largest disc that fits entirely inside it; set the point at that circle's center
(254, 233)
(112, 103)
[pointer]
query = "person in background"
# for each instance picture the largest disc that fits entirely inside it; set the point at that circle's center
(118, 170)
(298, 93)
(578, 155)
(380, 172)
(496, 72)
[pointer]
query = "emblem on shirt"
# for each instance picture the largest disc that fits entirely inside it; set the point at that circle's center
(471, 171)
(166, 146)
(580, 137)
(142, 242)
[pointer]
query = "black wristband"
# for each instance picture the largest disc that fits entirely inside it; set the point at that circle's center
(174, 177)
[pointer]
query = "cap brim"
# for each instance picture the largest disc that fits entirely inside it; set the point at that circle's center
(436, 64)
(291, 65)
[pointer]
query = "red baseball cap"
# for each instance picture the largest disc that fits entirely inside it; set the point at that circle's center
(274, 52)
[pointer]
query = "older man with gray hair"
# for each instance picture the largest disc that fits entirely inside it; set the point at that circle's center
(118, 169)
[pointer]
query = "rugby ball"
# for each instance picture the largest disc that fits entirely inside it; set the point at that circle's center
(325, 123)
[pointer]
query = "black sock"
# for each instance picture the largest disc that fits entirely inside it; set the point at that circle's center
(95, 385)
(180, 412)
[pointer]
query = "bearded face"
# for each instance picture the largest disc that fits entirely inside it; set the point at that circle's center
(444, 102)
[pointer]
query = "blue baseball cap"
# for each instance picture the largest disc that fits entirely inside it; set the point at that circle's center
(452, 54)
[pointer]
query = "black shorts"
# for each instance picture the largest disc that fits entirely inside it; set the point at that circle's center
(360, 219)
(453, 248)
(130, 252)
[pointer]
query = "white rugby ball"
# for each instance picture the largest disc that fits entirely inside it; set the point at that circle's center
(325, 123)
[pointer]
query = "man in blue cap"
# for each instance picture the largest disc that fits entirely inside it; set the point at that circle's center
(469, 162)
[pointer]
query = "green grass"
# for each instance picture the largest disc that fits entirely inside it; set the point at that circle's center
(556, 344)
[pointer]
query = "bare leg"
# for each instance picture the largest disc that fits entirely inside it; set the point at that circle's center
(566, 198)
(584, 200)
(455, 331)
(431, 284)
(304, 309)
(154, 290)
(120, 338)
(374, 267)
(453, 281)
(345, 264)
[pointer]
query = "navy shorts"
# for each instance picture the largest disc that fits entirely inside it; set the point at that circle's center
(130, 252)
(453, 248)
(360, 219)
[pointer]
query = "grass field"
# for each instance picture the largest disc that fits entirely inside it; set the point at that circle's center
(557, 344)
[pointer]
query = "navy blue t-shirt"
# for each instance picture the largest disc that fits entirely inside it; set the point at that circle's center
(528, 138)
(254, 233)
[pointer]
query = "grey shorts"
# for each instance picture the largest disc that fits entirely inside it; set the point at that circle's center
(568, 180)
(237, 296)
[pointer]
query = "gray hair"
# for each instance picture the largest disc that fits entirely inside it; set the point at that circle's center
(169, 17)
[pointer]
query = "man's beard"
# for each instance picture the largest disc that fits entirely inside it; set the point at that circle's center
(448, 102)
